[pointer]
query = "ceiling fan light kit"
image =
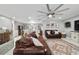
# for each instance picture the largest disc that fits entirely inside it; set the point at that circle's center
(49, 15)
(53, 13)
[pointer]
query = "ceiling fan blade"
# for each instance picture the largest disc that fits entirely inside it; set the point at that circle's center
(42, 18)
(58, 7)
(43, 12)
(63, 10)
(41, 15)
(48, 8)
(58, 14)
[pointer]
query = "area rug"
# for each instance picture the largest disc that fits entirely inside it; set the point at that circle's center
(61, 47)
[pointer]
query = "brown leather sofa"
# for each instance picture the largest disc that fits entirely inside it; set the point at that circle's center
(52, 34)
(25, 46)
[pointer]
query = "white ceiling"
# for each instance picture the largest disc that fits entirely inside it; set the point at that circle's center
(23, 11)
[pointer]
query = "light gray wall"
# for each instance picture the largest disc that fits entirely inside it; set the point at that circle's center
(4, 22)
(57, 25)
(72, 24)
(70, 29)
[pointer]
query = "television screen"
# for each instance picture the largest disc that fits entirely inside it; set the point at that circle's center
(67, 24)
(76, 27)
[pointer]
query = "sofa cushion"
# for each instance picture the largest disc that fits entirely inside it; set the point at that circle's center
(24, 42)
(56, 32)
(37, 42)
(48, 32)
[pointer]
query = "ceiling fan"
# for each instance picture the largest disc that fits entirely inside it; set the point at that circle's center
(53, 13)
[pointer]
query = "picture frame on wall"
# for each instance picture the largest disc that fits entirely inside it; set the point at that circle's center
(68, 24)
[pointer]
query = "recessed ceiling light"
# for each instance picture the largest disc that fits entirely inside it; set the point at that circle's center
(60, 17)
(50, 16)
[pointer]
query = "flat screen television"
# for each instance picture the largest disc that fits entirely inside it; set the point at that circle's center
(76, 25)
(67, 24)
